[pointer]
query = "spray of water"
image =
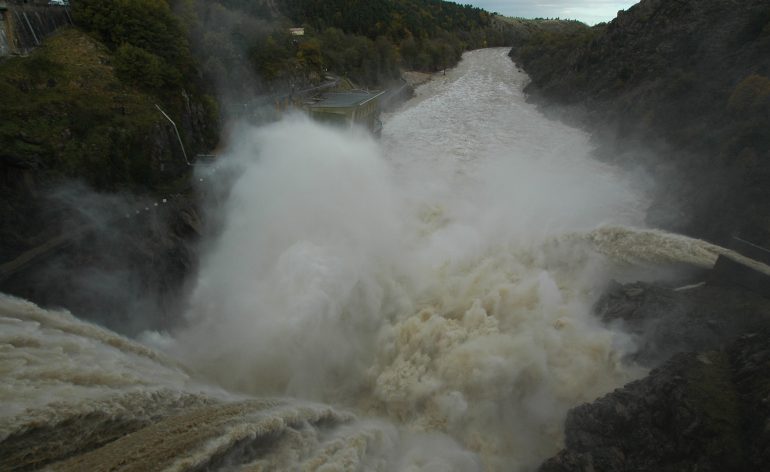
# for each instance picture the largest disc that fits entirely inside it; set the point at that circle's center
(435, 288)
(335, 281)
(416, 280)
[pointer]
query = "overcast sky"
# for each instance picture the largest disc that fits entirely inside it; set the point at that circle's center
(588, 11)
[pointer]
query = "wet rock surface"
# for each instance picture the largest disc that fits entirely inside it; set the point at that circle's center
(122, 264)
(706, 407)
(699, 411)
(666, 321)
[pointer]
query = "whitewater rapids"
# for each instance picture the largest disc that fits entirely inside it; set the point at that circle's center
(419, 303)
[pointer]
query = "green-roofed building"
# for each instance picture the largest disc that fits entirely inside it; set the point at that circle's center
(348, 109)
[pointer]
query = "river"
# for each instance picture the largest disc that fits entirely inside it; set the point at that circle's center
(418, 303)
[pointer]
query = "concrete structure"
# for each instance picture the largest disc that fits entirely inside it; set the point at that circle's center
(5, 41)
(348, 109)
(25, 23)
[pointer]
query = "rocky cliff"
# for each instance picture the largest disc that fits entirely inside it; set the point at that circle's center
(75, 133)
(700, 412)
(680, 87)
(705, 407)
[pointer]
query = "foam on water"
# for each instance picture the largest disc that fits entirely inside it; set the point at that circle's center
(411, 280)
(435, 288)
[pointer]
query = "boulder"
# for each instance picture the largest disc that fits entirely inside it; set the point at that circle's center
(705, 412)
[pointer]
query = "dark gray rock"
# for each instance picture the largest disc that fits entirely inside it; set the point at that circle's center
(128, 273)
(705, 412)
(666, 321)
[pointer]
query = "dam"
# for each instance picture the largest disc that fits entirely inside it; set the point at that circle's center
(418, 302)
(25, 23)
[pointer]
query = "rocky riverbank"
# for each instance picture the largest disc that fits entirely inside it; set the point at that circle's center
(705, 406)
(700, 411)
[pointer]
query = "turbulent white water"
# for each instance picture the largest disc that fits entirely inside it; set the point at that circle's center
(418, 303)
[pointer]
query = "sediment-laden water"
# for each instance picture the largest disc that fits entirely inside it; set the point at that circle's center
(422, 302)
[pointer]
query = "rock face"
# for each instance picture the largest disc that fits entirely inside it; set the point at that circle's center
(706, 407)
(667, 321)
(126, 273)
(681, 87)
(703, 412)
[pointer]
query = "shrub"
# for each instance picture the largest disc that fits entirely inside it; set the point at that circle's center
(145, 34)
(137, 66)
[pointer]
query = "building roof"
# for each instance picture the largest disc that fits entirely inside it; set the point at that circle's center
(345, 99)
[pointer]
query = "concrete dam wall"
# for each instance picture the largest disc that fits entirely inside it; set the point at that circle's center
(24, 24)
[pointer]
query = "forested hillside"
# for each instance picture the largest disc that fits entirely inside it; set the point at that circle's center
(79, 116)
(681, 88)
(395, 19)
(427, 34)
(249, 43)
(83, 105)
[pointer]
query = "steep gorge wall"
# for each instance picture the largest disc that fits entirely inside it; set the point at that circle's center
(682, 88)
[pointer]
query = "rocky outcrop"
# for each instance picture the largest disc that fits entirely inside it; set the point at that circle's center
(666, 321)
(680, 87)
(706, 405)
(698, 412)
(702, 412)
(123, 263)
